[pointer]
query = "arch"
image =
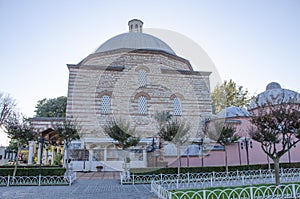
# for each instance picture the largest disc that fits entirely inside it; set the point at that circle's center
(100, 94)
(176, 95)
(142, 67)
(146, 95)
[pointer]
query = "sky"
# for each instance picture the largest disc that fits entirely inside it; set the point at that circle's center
(252, 42)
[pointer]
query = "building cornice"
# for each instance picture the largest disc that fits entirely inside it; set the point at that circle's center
(185, 72)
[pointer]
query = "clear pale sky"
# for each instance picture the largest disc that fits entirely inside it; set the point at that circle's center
(252, 42)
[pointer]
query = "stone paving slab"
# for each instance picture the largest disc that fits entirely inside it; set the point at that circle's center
(98, 175)
(81, 189)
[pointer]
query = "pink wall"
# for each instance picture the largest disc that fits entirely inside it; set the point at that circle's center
(236, 155)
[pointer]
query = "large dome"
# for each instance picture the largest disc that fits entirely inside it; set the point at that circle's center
(274, 95)
(135, 39)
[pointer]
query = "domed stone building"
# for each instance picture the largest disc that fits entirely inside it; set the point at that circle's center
(132, 76)
(275, 95)
(245, 150)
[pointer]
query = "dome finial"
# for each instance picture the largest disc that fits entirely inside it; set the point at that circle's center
(135, 25)
(273, 85)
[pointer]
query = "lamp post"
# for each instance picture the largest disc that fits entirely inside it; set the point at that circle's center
(201, 143)
(188, 156)
(248, 143)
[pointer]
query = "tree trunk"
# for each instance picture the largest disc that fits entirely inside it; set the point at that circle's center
(178, 160)
(276, 168)
(126, 169)
(16, 158)
(226, 159)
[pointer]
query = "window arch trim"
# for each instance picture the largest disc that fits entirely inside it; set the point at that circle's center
(146, 95)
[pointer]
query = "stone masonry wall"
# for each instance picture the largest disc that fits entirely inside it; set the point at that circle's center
(87, 83)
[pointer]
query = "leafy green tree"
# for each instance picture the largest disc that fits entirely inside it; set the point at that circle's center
(7, 107)
(120, 131)
(13, 145)
(68, 129)
(55, 107)
(175, 131)
(229, 94)
(224, 134)
(277, 129)
(20, 131)
(57, 159)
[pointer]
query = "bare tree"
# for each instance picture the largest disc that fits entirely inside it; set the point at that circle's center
(19, 129)
(162, 118)
(68, 129)
(120, 131)
(176, 132)
(277, 128)
(7, 107)
(224, 134)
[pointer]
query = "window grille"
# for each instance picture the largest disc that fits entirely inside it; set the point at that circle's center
(105, 104)
(142, 78)
(177, 106)
(142, 105)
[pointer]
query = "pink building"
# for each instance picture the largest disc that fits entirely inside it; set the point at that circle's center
(245, 151)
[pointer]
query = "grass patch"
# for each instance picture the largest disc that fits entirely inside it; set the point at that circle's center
(257, 191)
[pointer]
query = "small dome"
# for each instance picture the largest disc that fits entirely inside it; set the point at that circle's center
(274, 94)
(232, 112)
(135, 39)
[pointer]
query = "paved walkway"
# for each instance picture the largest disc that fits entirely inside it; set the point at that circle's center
(98, 175)
(87, 186)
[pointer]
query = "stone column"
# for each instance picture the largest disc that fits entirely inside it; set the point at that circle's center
(30, 152)
(46, 154)
(39, 153)
(145, 157)
(54, 150)
(105, 154)
(91, 154)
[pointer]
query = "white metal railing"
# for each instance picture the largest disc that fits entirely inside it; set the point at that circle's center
(199, 181)
(37, 180)
(214, 178)
(288, 191)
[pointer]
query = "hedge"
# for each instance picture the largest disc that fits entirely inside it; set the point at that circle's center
(33, 171)
(28, 166)
(173, 170)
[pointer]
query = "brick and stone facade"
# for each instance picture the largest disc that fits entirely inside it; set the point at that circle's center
(134, 84)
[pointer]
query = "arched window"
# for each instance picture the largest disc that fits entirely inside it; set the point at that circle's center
(105, 104)
(177, 106)
(142, 105)
(142, 79)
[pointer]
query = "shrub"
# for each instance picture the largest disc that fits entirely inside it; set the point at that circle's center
(57, 159)
(32, 171)
(173, 170)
